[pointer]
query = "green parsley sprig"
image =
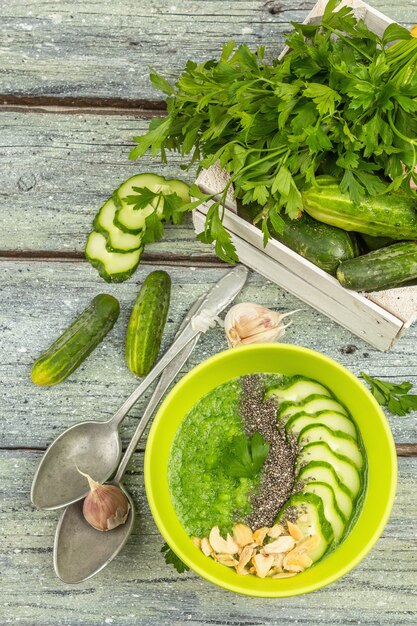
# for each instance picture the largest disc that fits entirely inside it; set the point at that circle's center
(342, 102)
(394, 396)
(172, 559)
(245, 457)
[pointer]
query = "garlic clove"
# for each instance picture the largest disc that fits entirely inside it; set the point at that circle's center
(106, 506)
(247, 323)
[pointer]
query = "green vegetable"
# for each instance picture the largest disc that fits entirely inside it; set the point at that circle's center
(114, 267)
(394, 396)
(76, 343)
(147, 323)
(380, 269)
(392, 215)
(245, 457)
(342, 101)
(323, 245)
(172, 559)
(375, 243)
(117, 240)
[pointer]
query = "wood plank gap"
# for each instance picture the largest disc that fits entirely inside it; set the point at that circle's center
(60, 256)
(403, 449)
(68, 105)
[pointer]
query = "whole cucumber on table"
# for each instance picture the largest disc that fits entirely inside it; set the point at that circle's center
(391, 215)
(76, 343)
(147, 323)
(323, 245)
(380, 269)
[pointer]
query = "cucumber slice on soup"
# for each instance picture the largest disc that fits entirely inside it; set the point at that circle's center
(117, 240)
(312, 404)
(298, 389)
(339, 442)
(335, 421)
(324, 472)
(112, 266)
(311, 520)
(343, 466)
(331, 510)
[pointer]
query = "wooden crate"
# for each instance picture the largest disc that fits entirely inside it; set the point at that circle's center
(378, 317)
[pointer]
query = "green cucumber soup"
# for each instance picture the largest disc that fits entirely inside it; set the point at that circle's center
(265, 449)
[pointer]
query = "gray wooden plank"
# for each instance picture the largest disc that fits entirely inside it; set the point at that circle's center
(104, 48)
(139, 588)
(40, 299)
(57, 170)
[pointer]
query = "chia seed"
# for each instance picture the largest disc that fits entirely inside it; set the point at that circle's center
(278, 473)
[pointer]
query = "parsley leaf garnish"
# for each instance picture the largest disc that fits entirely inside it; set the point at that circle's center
(245, 457)
(172, 559)
(392, 395)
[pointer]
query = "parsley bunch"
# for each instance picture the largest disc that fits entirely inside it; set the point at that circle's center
(342, 101)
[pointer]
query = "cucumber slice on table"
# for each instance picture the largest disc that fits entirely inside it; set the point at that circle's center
(112, 266)
(311, 404)
(117, 240)
(339, 442)
(331, 511)
(311, 520)
(133, 220)
(335, 421)
(343, 466)
(321, 471)
(298, 389)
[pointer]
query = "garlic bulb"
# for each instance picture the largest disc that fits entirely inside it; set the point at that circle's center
(251, 323)
(106, 506)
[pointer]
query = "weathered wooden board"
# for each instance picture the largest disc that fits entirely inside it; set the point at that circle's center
(139, 588)
(39, 300)
(57, 170)
(104, 48)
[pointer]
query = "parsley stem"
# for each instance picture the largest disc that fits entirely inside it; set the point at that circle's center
(348, 41)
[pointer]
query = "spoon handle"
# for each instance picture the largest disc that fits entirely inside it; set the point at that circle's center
(164, 382)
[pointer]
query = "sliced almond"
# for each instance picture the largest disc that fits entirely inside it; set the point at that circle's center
(196, 541)
(205, 547)
(262, 564)
(242, 535)
(243, 572)
(273, 571)
(285, 543)
(278, 560)
(220, 545)
(245, 557)
(276, 531)
(260, 534)
(295, 532)
(226, 559)
(285, 575)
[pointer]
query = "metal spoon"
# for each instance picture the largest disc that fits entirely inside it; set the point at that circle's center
(80, 551)
(95, 447)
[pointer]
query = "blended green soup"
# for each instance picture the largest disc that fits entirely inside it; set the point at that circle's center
(203, 494)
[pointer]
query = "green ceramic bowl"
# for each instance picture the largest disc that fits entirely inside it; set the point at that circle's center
(283, 359)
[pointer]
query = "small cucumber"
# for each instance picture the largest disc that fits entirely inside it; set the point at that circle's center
(380, 269)
(76, 343)
(147, 322)
(297, 390)
(311, 404)
(391, 215)
(320, 243)
(336, 421)
(324, 472)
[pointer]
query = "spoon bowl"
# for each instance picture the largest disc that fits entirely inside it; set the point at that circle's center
(57, 479)
(75, 539)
